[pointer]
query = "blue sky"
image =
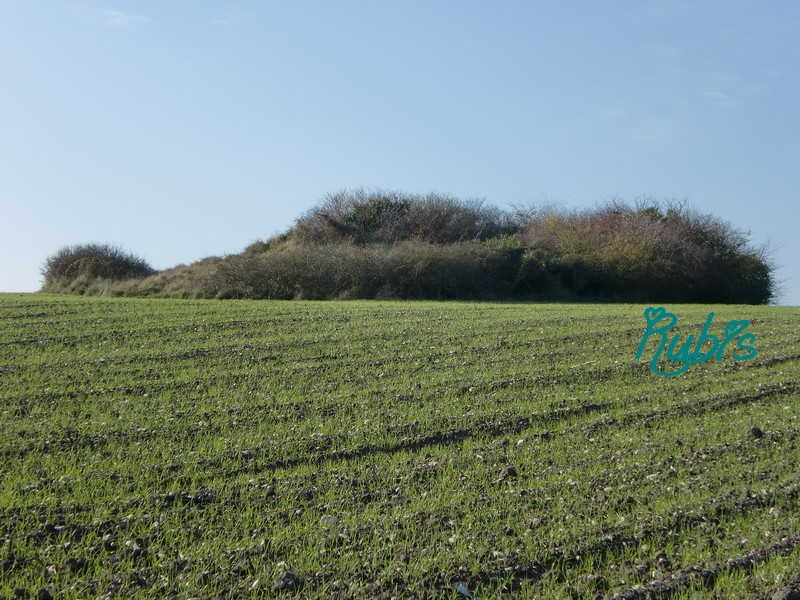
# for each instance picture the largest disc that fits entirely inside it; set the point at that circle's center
(190, 128)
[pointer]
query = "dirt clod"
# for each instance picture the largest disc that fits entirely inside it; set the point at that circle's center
(510, 472)
(755, 432)
(287, 582)
(787, 593)
(109, 542)
(77, 564)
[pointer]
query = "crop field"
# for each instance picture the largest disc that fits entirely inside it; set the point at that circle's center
(204, 449)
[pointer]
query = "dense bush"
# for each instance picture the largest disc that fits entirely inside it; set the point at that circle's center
(411, 269)
(650, 252)
(81, 264)
(389, 217)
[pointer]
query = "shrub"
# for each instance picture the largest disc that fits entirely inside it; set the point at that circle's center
(534, 277)
(409, 269)
(80, 264)
(649, 252)
(382, 217)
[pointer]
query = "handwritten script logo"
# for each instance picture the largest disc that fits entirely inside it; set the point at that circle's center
(659, 322)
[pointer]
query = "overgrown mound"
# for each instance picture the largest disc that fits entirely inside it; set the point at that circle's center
(358, 244)
(73, 268)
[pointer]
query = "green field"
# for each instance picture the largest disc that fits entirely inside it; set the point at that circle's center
(390, 449)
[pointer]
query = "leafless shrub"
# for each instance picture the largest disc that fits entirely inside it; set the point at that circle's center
(73, 268)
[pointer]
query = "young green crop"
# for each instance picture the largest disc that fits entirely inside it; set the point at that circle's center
(378, 449)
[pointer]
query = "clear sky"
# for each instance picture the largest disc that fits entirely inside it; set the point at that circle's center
(182, 129)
